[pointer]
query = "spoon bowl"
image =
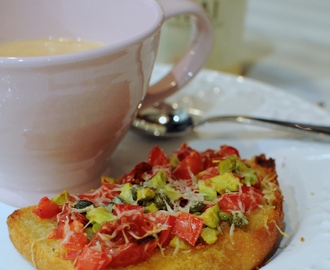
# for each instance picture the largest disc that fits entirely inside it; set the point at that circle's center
(162, 120)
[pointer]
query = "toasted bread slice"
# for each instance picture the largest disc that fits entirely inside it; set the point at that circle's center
(247, 247)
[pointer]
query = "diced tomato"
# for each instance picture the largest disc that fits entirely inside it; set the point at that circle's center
(75, 243)
(132, 253)
(247, 200)
(136, 175)
(120, 208)
(188, 227)
(76, 221)
(231, 202)
(183, 151)
(166, 236)
(106, 190)
(191, 164)
(58, 232)
(130, 244)
(158, 157)
(90, 259)
(130, 223)
(226, 151)
(47, 208)
(210, 158)
(251, 198)
(209, 173)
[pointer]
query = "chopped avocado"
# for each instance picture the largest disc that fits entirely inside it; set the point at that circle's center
(208, 192)
(145, 194)
(172, 193)
(238, 219)
(225, 182)
(249, 175)
(99, 215)
(236, 165)
(228, 164)
(211, 216)
(158, 181)
(177, 242)
(151, 208)
(210, 236)
(126, 193)
(244, 170)
(61, 198)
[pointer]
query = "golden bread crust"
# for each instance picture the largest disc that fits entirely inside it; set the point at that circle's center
(247, 248)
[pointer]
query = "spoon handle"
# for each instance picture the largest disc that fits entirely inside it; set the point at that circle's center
(311, 131)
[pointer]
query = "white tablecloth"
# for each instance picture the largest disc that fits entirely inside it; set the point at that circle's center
(287, 44)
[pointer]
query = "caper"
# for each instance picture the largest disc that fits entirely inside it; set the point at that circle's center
(134, 192)
(82, 204)
(161, 200)
(89, 233)
(238, 219)
(196, 206)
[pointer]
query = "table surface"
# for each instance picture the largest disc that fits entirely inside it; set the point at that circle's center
(287, 45)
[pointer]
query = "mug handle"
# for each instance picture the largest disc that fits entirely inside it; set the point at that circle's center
(196, 54)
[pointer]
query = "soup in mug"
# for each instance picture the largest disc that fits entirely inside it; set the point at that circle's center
(44, 47)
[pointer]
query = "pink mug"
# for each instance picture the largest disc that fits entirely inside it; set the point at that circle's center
(62, 116)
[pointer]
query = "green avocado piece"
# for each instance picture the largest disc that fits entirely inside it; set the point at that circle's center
(158, 181)
(99, 215)
(145, 194)
(228, 164)
(209, 235)
(211, 216)
(151, 208)
(248, 174)
(225, 182)
(61, 198)
(235, 165)
(177, 242)
(208, 192)
(172, 193)
(126, 193)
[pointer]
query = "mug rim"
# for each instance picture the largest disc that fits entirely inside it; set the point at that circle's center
(48, 60)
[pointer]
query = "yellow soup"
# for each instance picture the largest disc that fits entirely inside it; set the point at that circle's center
(42, 47)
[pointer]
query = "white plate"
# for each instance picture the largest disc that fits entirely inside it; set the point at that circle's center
(303, 166)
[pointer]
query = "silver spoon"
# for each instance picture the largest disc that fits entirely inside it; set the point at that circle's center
(165, 121)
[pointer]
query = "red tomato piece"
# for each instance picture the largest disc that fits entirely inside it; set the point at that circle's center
(120, 208)
(90, 259)
(132, 253)
(191, 164)
(226, 151)
(188, 227)
(158, 157)
(209, 173)
(136, 175)
(47, 208)
(106, 190)
(231, 202)
(183, 151)
(251, 198)
(210, 158)
(166, 236)
(74, 245)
